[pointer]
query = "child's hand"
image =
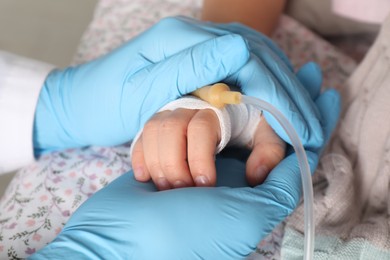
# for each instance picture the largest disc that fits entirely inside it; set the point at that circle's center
(177, 149)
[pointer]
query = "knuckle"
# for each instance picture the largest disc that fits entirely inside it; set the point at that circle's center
(152, 126)
(171, 124)
(137, 156)
(169, 167)
(278, 150)
(273, 153)
(154, 167)
(200, 123)
(198, 166)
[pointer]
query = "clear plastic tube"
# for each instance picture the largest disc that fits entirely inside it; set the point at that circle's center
(304, 167)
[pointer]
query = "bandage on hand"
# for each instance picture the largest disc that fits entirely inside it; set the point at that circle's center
(177, 149)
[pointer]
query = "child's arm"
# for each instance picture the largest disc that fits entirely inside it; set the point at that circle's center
(261, 15)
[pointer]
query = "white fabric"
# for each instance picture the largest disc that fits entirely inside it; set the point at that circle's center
(352, 184)
(321, 16)
(237, 122)
(244, 120)
(373, 11)
(20, 83)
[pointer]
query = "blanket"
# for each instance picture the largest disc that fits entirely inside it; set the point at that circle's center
(352, 184)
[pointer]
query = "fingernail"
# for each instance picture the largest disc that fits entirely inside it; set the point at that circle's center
(261, 173)
(138, 173)
(163, 184)
(179, 184)
(202, 181)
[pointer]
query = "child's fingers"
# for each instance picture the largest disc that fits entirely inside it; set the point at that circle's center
(172, 147)
(151, 152)
(203, 136)
(141, 172)
(268, 151)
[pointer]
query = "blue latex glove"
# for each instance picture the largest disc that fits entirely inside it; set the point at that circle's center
(280, 87)
(131, 220)
(106, 101)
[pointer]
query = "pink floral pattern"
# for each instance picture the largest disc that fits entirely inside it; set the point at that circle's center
(42, 196)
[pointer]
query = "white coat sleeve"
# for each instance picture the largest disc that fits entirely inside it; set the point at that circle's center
(20, 82)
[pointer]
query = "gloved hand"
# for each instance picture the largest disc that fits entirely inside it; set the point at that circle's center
(106, 101)
(131, 220)
(276, 87)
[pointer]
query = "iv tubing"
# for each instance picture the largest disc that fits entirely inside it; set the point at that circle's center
(304, 167)
(218, 95)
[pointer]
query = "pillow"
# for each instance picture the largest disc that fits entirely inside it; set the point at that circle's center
(319, 16)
